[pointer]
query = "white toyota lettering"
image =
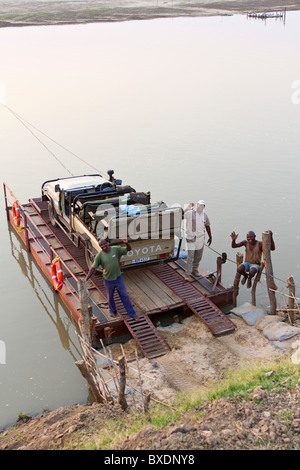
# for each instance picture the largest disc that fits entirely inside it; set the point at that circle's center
(145, 250)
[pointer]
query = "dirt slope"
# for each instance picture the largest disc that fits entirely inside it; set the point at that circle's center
(267, 420)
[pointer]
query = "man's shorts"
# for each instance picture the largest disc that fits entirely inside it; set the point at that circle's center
(248, 266)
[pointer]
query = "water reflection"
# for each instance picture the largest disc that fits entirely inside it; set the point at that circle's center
(50, 306)
(277, 15)
(185, 108)
(39, 372)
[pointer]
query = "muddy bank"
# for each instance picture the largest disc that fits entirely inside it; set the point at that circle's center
(266, 420)
(77, 12)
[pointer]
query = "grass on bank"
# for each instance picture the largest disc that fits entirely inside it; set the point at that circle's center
(237, 384)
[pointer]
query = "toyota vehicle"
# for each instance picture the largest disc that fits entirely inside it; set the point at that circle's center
(89, 208)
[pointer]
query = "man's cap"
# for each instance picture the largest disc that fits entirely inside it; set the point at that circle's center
(201, 202)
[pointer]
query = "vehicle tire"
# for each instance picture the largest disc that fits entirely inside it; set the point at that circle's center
(51, 215)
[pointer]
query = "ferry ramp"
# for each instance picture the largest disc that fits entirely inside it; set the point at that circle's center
(218, 323)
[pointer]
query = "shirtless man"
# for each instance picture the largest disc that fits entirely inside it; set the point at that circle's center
(250, 267)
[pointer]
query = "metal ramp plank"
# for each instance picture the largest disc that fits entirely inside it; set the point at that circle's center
(138, 328)
(200, 305)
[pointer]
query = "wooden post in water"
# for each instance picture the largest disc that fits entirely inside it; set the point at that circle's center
(266, 243)
(121, 398)
(291, 305)
(88, 321)
(239, 260)
(90, 380)
(256, 280)
(108, 331)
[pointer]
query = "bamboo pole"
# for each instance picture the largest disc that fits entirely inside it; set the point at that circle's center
(93, 322)
(121, 397)
(255, 282)
(123, 354)
(90, 380)
(266, 242)
(291, 304)
(239, 260)
(88, 321)
(138, 367)
(286, 295)
(114, 367)
(146, 403)
(92, 364)
(110, 363)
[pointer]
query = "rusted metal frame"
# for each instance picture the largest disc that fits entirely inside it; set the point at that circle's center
(51, 254)
(146, 334)
(50, 247)
(26, 232)
(132, 326)
(20, 207)
(5, 198)
(160, 273)
(5, 193)
(150, 343)
(51, 250)
(222, 297)
(72, 256)
(158, 343)
(220, 260)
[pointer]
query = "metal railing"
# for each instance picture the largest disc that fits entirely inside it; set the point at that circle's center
(28, 230)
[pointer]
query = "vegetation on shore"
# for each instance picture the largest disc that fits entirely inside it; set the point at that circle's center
(237, 385)
(253, 407)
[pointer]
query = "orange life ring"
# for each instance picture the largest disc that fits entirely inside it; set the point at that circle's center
(57, 274)
(16, 213)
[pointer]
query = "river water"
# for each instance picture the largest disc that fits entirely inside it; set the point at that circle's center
(199, 108)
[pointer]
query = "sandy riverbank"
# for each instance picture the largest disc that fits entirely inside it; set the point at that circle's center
(196, 359)
(17, 13)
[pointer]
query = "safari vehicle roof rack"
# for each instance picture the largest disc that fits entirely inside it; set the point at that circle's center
(68, 177)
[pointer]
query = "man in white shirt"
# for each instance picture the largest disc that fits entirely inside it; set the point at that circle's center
(197, 222)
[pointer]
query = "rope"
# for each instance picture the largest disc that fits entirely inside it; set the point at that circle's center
(277, 278)
(23, 121)
(42, 143)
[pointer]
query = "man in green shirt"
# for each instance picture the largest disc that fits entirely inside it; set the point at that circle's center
(109, 259)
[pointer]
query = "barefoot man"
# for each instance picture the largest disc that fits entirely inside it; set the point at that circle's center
(250, 267)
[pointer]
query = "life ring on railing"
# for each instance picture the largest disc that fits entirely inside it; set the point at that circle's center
(57, 274)
(16, 213)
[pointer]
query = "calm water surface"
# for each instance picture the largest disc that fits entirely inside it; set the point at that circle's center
(186, 108)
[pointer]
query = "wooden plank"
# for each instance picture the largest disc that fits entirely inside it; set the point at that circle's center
(154, 286)
(73, 267)
(163, 287)
(149, 289)
(173, 265)
(135, 292)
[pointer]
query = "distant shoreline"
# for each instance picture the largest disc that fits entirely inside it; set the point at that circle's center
(18, 14)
